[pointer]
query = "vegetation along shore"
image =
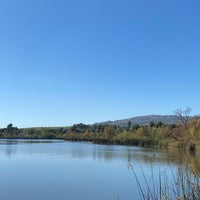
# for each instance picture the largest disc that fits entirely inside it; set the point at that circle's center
(185, 133)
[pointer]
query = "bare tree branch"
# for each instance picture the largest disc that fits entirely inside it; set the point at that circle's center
(183, 115)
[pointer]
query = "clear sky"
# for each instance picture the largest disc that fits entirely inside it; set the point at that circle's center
(69, 61)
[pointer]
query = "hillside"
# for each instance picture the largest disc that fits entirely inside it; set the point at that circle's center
(144, 120)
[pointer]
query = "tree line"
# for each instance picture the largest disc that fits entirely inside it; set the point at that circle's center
(184, 134)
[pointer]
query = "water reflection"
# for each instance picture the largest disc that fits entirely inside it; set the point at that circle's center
(28, 141)
(107, 153)
(9, 147)
(56, 169)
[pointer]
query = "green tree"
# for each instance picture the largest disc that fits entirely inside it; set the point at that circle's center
(109, 132)
(151, 124)
(129, 125)
(159, 124)
(136, 126)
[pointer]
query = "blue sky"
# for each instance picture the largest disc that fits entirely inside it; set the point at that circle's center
(69, 61)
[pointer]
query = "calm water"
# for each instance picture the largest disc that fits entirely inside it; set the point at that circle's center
(59, 170)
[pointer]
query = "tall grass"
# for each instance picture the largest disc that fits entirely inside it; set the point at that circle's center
(167, 184)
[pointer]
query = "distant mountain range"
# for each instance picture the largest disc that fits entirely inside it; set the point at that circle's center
(144, 120)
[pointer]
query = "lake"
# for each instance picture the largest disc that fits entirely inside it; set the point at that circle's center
(60, 170)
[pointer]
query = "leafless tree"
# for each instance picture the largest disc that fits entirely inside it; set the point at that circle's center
(183, 115)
